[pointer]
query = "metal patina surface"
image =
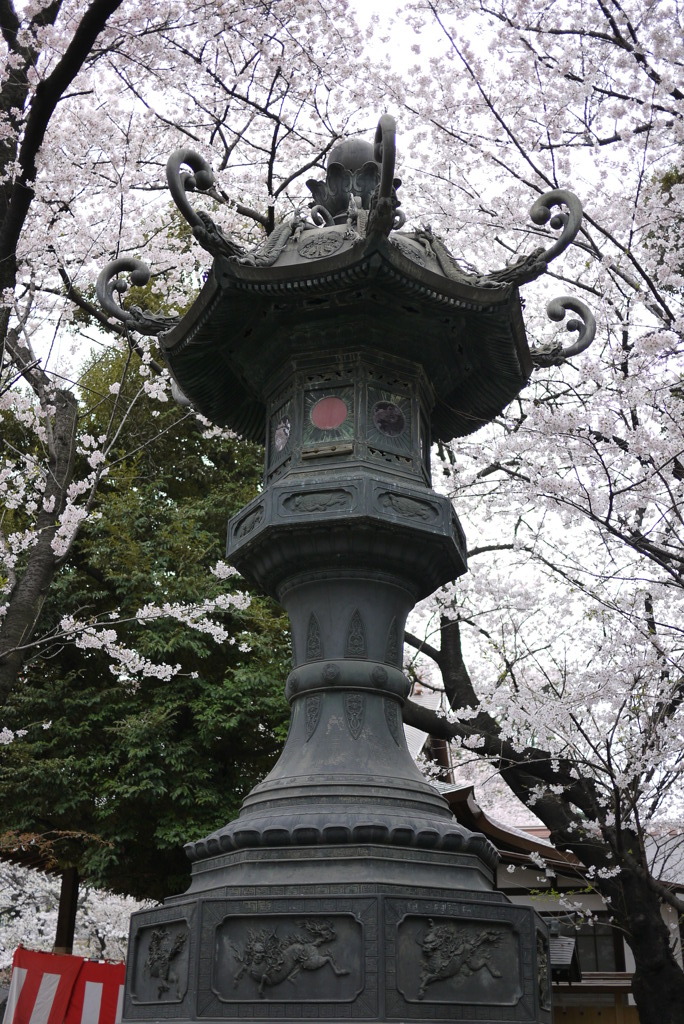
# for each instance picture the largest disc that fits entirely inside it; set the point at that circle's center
(345, 888)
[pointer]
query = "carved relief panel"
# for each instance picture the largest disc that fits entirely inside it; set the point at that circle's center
(544, 971)
(255, 962)
(159, 963)
(460, 961)
(356, 637)
(444, 955)
(292, 958)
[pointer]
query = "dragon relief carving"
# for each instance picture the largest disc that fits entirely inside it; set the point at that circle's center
(453, 952)
(250, 522)
(412, 508)
(163, 950)
(318, 501)
(270, 959)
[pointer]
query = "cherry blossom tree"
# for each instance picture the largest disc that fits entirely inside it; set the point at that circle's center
(561, 652)
(93, 100)
(29, 903)
(570, 617)
(115, 764)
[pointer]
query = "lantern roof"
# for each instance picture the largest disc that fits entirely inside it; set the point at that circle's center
(249, 322)
(349, 278)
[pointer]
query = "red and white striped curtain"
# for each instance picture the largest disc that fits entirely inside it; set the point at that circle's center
(50, 989)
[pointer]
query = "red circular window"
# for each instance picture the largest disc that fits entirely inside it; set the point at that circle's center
(329, 413)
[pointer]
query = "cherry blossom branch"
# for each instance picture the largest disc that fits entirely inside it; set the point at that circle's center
(46, 97)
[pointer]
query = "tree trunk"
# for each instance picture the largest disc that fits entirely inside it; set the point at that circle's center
(66, 915)
(658, 985)
(31, 588)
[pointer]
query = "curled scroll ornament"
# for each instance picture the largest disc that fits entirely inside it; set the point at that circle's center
(554, 354)
(384, 215)
(570, 220)
(385, 152)
(135, 318)
(534, 264)
(199, 178)
(321, 216)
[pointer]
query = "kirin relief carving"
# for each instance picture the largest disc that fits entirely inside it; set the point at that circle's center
(450, 951)
(270, 959)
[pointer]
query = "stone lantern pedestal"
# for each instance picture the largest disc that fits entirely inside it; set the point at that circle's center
(345, 889)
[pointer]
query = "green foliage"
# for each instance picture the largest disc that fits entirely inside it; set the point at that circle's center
(671, 178)
(137, 766)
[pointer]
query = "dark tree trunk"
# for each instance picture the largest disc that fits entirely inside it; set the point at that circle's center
(66, 915)
(28, 595)
(16, 196)
(658, 985)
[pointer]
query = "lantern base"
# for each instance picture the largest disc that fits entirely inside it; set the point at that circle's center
(359, 932)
